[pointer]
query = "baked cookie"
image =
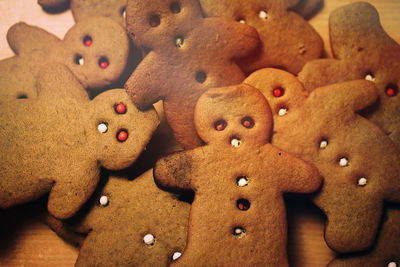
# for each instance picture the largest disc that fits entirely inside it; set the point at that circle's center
(131, 223)
(287, 40)
(359, 163)
(386, 252)
(307, 8)
(53, 4)
(238, 215)
(57, 142)
(362, 50)
(96, 50)
(188, 54)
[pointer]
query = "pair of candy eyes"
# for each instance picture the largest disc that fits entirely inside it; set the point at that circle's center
(262, 15)
(390, 90)
(122, 134)
(247, 122)
(155, 19)
(79, 60)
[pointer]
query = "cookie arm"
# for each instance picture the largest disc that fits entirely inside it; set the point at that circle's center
(144, 86)
(24, 38)
(175, 172)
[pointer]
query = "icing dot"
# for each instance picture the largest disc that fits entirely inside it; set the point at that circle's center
(243, 204)
(323, 144)
(79, 60)
(175, 7)
(103, 201)
(263, 14)
(102, 127)
(362, 181)
(278, 92)
(87, 41)
(149, 240)
(120, 108)
(248, 122)
(201, 76)
(392, 264)
(343, 162)
(392, 90)
(369, 77)
(242, 181)
(220, 125)
(239, 232)
(103, 63)
(154, 20)
(179, 41)
(176, 255)
(235, 142)
(282, 111)
(122, 135)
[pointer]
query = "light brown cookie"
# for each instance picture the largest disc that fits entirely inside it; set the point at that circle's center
(385, 253)
(57, 142)
(130, 223)
(96, 50)
(362, 50)
(287, 40)
(238, 215)
(188, 54)
(359, 163)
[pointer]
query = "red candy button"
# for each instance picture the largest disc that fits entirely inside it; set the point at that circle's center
(390, 92)
(120, 108)
(103, 63)
(122, 135)
(87, 41)
(220, 125)
(278, 92)
(154, 21)
(248, 122)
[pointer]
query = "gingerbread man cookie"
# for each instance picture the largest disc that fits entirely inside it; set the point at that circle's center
(386, 252)
(287, 40)
(238, 215)
(131, 223)
(188, 54)
(362, 50)
(57, 142)
(359, 163)
(96, 50)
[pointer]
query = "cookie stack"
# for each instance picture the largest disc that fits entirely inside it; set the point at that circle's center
(250, 113)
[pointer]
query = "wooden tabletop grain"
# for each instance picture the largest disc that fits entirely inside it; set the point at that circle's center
(26, 241)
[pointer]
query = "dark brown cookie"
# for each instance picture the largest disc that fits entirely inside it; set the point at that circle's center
(287, 40)
(96, 50)
(188, 54)
(362, 50)
(57, 142)
(238, 215)
(359, 163)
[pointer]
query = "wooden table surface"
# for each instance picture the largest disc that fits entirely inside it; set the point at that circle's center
(26, 241)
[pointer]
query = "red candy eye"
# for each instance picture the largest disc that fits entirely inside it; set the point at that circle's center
(122, 135)
(392, 90)
(87, 41)
(278, 92)
(103, 63)
(248, 122)
(243, 204)
(154, 20)
(120, 108)
(220, 125)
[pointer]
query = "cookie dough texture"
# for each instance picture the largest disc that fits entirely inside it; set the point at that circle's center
(35, 47)
(238, 215)
(287, 40)
(362, 50)
(358, 161)
(187, 55)
(53, 144)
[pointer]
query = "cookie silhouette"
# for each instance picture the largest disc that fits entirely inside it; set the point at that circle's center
(362, 50)
(96, 50)
(359, 163)
(57, 142)
(238, 214)
(187, 55)
(287, 40)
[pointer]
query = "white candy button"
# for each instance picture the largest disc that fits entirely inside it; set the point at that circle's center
(103, 201)
(102, 127)
(343, 162)
(282, 112)
(370, 77)
(176, 255)
(149, 240)
(263, 14)
(323, 144)
(242, 181)
(362, 181)
(236, 142)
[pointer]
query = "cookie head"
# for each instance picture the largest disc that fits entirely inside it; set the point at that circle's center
(156, 23)
(114, 9)
(233, 116)
(96, 50)
(121, 130)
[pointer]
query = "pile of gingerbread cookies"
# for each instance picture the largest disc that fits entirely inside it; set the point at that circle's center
(249, 107)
